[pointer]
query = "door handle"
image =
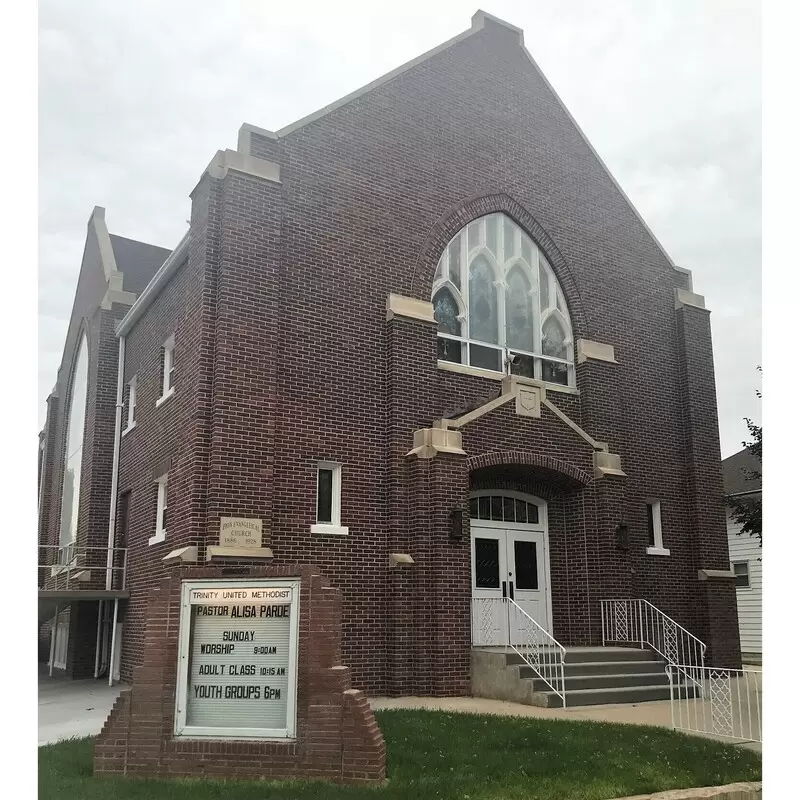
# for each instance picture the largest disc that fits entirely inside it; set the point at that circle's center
(504, 590)
(511, 589)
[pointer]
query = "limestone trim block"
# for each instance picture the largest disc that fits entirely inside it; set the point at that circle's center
(429, 442)
(687, 298)
(398, 305)
(587, 349)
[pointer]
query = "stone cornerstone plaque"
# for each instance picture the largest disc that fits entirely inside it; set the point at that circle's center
(238, 659)
(240, 532)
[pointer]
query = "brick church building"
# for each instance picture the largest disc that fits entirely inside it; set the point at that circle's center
(420, 339)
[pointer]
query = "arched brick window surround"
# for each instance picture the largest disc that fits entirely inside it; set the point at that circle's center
(450, 223)
(502, 458)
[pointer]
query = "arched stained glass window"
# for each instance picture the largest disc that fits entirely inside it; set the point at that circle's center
(496, 296)
(71, 486)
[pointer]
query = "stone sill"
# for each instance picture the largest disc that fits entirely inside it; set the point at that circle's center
(330, 530)
(465, 369)
(215, 551)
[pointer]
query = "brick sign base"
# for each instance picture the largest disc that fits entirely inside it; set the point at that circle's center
(338, 738)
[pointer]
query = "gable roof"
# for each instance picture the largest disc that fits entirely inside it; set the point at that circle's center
(137, 261)
(736, 471)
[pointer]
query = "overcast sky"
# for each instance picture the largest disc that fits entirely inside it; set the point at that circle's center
(136, 97)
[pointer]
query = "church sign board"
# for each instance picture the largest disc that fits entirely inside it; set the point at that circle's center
(237, 663)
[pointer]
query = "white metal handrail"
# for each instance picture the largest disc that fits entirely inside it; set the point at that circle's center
(726, 702)
(74, 566)
(538, 648)
(639, 621)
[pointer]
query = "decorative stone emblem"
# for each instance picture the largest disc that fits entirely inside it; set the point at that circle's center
(529, 402)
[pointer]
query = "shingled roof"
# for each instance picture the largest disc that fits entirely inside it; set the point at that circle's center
(137, 261)
(736, 471)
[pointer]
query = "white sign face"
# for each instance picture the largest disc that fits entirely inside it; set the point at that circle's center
(238, 659)
(240, 532)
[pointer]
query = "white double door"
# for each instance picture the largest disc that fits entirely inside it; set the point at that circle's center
(507, 564)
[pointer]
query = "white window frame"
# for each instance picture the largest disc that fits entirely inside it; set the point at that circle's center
(502, 264)
(747, 573)
(168, 359)
(161, 504)
(335, 526)
(130, 421)
(657, 549)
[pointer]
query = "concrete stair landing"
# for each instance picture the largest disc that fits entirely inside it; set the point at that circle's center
(592, 676)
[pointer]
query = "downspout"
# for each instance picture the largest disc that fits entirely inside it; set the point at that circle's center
(112, 514)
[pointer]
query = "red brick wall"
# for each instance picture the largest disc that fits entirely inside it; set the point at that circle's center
(284, 358)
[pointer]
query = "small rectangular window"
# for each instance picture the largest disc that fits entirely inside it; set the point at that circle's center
(741, 572)
(655, 539)
(325, 496)
(168, 369)
(162, 503)
(329, 499)
(130, 404)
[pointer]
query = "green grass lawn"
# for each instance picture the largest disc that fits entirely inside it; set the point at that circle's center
(434, 754)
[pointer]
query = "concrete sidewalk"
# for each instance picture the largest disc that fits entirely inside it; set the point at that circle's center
(655, 713)
(70, 709)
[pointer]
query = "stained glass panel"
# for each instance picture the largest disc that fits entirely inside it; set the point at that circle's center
(491, 233)
(555, 373)
(445, 312)
(508, 238)
(455, 262)
(473, 235)
(482, 302)
(544, 288)
(519, 311)
(553, 338)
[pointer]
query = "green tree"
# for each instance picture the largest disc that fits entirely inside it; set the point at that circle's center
(746, 511)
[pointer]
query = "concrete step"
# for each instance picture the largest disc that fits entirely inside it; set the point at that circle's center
(594, 697)
(614, 681)
(578, 655)
(613, 667)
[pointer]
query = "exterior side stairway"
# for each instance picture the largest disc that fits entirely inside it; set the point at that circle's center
(592, 676)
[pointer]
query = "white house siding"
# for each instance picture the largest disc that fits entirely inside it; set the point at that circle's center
(745, 548)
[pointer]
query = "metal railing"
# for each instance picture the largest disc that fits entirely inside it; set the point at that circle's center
(539, 650)
(640, 622)
(729, 704)
(502, 622)
(81, 567)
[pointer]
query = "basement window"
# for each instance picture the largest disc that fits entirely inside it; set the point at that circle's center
(329, 499)
(655, 541)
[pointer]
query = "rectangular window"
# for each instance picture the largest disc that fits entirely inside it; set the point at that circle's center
(161, 510)
(329, 499)
(741, 572)
(655, 541)
(130, 405)
(168, 369)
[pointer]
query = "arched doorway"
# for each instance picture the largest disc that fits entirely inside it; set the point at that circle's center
(510, 560)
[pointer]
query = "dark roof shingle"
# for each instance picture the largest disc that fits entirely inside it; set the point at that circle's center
(137, 261)
(736, 471)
